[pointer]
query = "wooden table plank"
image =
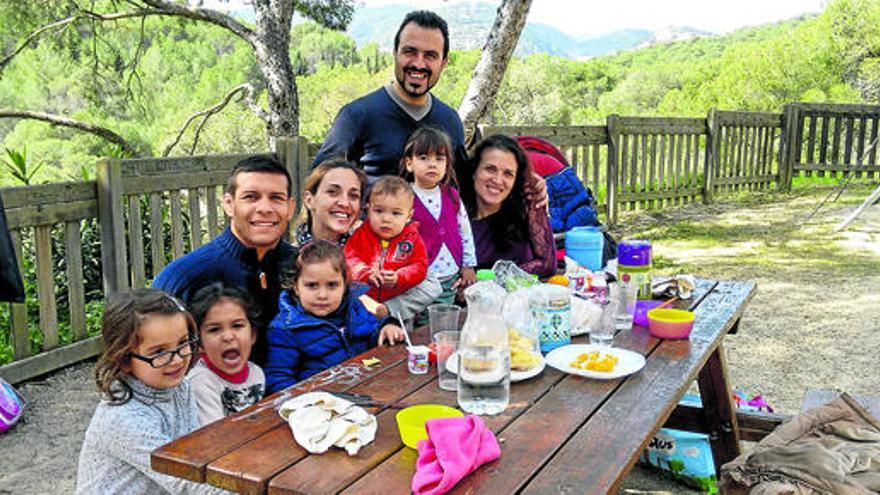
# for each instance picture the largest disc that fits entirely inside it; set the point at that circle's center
(532, 440)
(249, 468)
(188, 456)
(576, 434)
(536, 435)
(394, 475)
(600, 453)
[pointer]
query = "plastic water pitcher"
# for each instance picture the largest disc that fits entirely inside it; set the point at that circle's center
(584, 245)
(484, 352)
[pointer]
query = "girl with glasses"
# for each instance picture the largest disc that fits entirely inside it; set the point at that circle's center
(149, 341)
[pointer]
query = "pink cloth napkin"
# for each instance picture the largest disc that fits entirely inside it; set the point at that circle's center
(455, 448)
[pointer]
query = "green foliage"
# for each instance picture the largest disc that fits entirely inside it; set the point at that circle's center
(89, 73)
(313, 45)
(18, 164)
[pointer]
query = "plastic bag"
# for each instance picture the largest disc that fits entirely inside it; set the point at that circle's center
(685, 456)
(511, 277)
(11, 406)
(585, 315)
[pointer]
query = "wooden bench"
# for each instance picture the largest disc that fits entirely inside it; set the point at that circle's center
(753, 426)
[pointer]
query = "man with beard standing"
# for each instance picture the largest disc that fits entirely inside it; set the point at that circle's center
(373, 129)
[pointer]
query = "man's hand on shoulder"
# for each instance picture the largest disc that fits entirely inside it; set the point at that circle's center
(536, 191)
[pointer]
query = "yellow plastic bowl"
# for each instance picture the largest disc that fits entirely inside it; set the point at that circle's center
(669, 323)
(411, 421)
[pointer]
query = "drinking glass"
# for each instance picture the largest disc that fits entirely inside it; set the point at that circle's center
(626, 293)
(445, 344)
(602, 333)
(443, 318)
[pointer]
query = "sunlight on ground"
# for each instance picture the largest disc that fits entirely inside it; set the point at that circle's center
(685, 252)
(815, 317)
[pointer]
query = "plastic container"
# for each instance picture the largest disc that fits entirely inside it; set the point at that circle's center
(411, 421)
(670, 323)
(484, 352)
(634, 258)
(550, 306)
(485, 274)
(642, 308)
(584, 245)
(417, 359)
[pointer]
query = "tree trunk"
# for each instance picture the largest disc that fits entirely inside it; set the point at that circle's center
(509, 23)
(271, 48)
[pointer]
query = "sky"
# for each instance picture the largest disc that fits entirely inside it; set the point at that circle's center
(593, 17)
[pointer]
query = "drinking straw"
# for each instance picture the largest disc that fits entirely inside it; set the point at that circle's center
(403, 326)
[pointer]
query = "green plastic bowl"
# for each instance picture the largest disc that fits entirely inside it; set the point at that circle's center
(411, 421)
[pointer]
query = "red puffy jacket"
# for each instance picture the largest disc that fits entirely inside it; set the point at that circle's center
(405, 254)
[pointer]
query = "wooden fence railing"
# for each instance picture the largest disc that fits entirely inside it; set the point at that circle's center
(141, 212)
(644, 162)
(834, 139)
(149, 211)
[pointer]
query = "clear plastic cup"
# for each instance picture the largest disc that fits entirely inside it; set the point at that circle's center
(603, 332)
(445, 345)
(626, 293)
(444, 318)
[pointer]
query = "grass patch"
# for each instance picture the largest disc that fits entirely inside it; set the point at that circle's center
(747, 235)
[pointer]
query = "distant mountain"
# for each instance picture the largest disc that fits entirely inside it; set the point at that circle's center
(469, 25)
(470, 22)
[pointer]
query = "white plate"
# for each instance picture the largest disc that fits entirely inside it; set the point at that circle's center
(515, 375)
(628, 362)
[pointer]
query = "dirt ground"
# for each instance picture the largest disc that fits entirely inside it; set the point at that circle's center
(813, 324)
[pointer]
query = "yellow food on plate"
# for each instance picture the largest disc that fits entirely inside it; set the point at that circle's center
(558, 280)
(522, 354)
(595, 361)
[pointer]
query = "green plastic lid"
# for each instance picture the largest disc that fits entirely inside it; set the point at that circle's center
(485, 274)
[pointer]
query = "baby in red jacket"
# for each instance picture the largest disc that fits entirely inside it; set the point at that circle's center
(388, 253)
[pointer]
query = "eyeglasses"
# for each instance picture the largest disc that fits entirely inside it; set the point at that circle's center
(164, 358)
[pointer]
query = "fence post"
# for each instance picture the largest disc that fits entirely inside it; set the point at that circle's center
(293, 152)
(21, 343)
(611, 207)
(788, 146)
(713, 131)
(113, 258)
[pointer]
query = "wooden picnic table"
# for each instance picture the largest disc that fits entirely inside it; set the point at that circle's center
(561, 433)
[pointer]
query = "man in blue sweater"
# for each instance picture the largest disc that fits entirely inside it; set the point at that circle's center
(250, 254)
(373, 129)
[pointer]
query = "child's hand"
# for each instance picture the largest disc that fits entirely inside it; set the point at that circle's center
(466, 278)
(389, 278)
(375, 277)
(392, 334)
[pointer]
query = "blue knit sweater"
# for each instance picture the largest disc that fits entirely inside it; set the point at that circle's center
(301, 344)
(225, 259)
(373, 129)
